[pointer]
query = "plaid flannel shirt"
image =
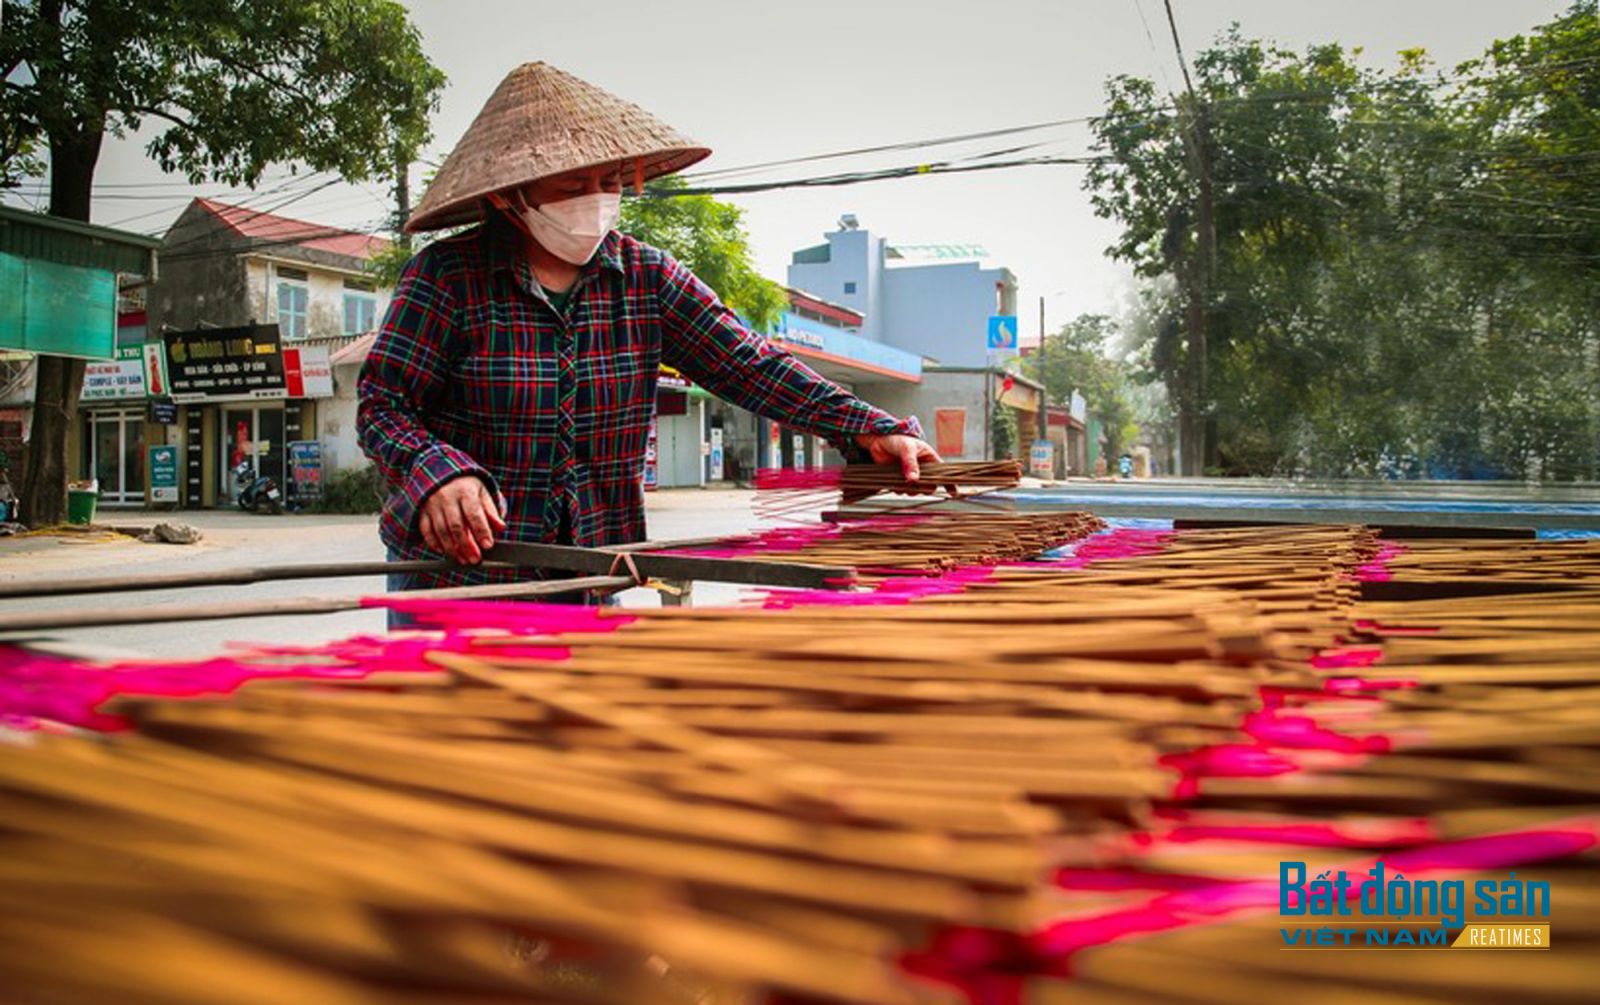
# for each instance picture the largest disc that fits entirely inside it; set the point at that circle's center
(475, 373)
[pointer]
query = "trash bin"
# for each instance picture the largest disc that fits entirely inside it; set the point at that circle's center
(80, 505)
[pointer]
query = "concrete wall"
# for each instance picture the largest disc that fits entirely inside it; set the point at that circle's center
(324, 300)
(942, 310)
(943, 390)
(201, 280)
(336, 423)
(855, 256)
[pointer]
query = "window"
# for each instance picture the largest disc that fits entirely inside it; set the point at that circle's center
(849, 287)
(360, 312)
(293, 303)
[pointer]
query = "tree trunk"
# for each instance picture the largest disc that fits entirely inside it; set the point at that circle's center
(58, 379)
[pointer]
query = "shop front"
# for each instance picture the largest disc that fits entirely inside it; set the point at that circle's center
(247, 406)
(114, 446)
(113, 436)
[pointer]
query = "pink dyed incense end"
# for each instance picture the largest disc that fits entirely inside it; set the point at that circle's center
(1347, 657)
(788, 479)
(37, 690)
(1376, 569)
(523, 618)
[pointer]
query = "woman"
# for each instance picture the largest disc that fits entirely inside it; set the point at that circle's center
(510, 389)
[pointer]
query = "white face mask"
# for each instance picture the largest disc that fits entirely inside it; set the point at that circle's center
(570, 229)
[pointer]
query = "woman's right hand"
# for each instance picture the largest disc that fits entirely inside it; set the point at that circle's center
(460, 519)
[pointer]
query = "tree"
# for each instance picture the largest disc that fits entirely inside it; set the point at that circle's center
(1404, 266)
(237, 86)
(1074, 359)
(709, 238)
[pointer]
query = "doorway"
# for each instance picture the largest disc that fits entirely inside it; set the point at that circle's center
(254, 434)
(115, 454)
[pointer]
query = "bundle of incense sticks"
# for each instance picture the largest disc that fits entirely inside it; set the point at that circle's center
(1066, 780)
(915, 543)
(786, 494)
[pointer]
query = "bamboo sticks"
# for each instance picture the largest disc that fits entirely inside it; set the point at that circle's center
(786, 802)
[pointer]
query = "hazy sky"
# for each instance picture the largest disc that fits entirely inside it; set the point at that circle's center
(757, 81)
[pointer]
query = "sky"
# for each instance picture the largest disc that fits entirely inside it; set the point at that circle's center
(758, 80)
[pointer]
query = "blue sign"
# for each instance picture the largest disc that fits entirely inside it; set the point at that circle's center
(163, 465)
(1002, 331)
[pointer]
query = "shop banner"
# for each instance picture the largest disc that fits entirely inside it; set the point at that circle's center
(305, 470)
(1042, 458)
(307, 372)
(217, 363)
(164, 474)
(109, 380)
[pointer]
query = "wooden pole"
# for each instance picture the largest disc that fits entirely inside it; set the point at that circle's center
(46, 620)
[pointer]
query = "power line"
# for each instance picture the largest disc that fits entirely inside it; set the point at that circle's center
(1150, 38)
(856, 177)
(891, 147)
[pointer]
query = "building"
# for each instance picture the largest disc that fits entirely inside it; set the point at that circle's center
(249, 308)
(701, 438)
(935, 302)
(957, 408)
(931, 300)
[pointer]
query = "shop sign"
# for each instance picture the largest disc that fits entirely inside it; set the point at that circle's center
(164, 474)
(651, 461)
(305, 470)
(164, 413)
(307, 372)
(1042, 458)
(107, 380)
(212, 363)
(716, 455)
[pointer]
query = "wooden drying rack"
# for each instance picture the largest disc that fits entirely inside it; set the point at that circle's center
(602, 569)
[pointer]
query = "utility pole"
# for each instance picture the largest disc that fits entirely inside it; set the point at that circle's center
(402, 197)
(1044, 380)
(1200, 271)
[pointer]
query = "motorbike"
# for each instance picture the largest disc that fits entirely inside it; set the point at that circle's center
(256, 493)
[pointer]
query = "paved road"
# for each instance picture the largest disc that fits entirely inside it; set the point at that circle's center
(234, 539)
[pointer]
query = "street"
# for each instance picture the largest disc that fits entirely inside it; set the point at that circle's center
(234, 539)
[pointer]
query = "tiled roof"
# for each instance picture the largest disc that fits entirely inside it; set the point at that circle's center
(256, 225)
(845, 315)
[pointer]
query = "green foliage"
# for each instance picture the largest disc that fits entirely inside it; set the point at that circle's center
(337, 86)
(358, 490)
(386, 264)
(333, 85)
(1003, 434)
(709, 238)
(1405, 265)
(1075, 359)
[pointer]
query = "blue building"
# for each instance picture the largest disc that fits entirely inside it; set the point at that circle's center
(934, 301)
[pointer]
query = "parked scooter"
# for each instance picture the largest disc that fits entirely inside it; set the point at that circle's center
(256, 493)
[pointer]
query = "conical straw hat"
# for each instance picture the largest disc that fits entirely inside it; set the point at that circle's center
(541, 122)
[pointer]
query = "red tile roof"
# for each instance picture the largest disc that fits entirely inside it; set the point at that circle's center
(844, 315)
(254, 224)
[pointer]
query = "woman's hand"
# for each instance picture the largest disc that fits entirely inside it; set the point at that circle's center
(461, 519)
(906, 451)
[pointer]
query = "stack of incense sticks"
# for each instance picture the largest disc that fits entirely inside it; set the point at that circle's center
(1070, 779)
(786, 494)
(915, 543)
